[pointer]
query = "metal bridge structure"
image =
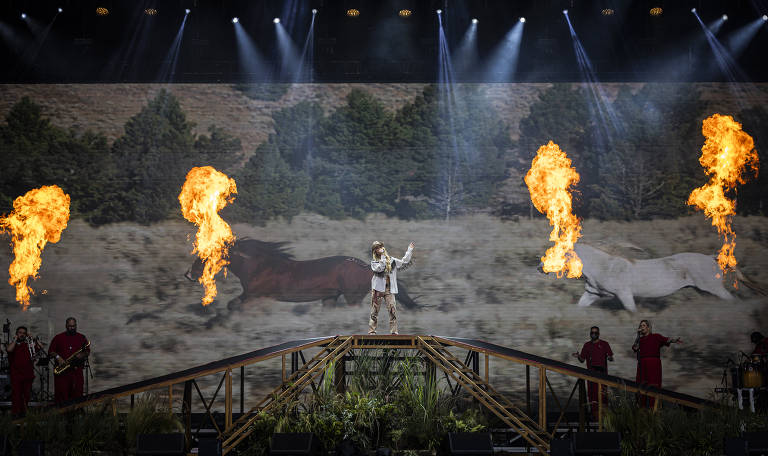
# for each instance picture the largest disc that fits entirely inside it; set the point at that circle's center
(464, 363)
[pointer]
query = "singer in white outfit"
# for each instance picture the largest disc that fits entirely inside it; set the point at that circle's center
(384, 283)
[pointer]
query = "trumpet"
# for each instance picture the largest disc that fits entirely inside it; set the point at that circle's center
(71, 361)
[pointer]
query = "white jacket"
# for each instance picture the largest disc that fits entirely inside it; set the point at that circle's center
(379, 280)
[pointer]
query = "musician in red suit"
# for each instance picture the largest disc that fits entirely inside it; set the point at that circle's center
(69, 384)
(596, 352)
(21, 356)
(647, 346)
(761, 343)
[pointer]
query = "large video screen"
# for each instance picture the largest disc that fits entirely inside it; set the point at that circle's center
(324, 170)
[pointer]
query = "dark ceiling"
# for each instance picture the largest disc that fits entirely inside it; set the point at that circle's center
(128, 45)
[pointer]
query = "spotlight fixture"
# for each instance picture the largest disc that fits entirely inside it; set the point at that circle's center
(235, 20)
(187, 11)
(276, 20)
(522, 19)
(404, 13)
(439, 11)
(656, 11)
(565, 11)
(101, 11)
(61, 10)
(693, 10)
(23, 15)
(474, 20)
(314, 10)
(353, 12)
(765, 18)
(725, 17)
(150, 12)
(607, 12)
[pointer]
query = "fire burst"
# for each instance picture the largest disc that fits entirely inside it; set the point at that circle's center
(549, 181)
(38, 217)
(726, 154)
(206, 192)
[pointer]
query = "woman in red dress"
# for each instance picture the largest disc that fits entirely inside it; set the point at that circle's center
(648, 348)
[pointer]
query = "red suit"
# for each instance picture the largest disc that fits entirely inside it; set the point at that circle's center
(596, 356)
(649, 363)
(69, 384)
(22, 376)
(761, 348)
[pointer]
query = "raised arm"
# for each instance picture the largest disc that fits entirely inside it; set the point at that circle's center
(407, 258)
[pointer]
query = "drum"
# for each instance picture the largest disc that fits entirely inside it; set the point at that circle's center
(752, 375)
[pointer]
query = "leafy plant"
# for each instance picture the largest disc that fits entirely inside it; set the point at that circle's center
(676, 431)
(146, 418)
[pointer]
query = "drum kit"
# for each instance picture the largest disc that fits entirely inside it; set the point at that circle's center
(749, 380)
(752, 372)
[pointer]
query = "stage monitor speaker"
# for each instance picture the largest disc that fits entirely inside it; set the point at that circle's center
(561, 447)
(160, 445)
(470, 444)
(597, 443)
(31, 448)
(294, 444)
(734, 446)
(209, 447)
(757, 443)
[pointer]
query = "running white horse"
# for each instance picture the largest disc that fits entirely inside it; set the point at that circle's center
(609, 275)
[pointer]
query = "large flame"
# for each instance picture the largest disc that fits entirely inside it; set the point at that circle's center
(38, 217)
(549, 181)
(726, 154)
(205, 192)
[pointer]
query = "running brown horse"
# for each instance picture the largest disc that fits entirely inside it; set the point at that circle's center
(266, 270)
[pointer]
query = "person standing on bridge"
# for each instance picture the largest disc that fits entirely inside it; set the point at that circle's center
(384, 283)
(596, 352)
(647, 346)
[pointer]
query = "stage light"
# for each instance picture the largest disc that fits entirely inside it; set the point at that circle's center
(474, 20)
(187, 11)
(61, 10)
(150, 12)
(765, 18)
(656, 11)
(404, 13)
(276, 20)
(439, 11)
(353, 12)
(314, 10)
(23, 15)
(522, 19)
(607, 12)
(101, 11)
(565, 11)
(693, 10)
(235, 20)
(725, 17)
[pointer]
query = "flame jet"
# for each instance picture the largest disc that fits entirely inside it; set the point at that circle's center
(727, 153)
(38, 217)
(205, 192)
(549, 181)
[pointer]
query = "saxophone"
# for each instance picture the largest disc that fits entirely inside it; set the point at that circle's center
(71, 361)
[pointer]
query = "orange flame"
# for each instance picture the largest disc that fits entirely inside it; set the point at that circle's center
(549, 181)
(726, 153)
(206, 192)
(38, 217)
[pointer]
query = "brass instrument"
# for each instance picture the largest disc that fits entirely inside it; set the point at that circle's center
(71, 361)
